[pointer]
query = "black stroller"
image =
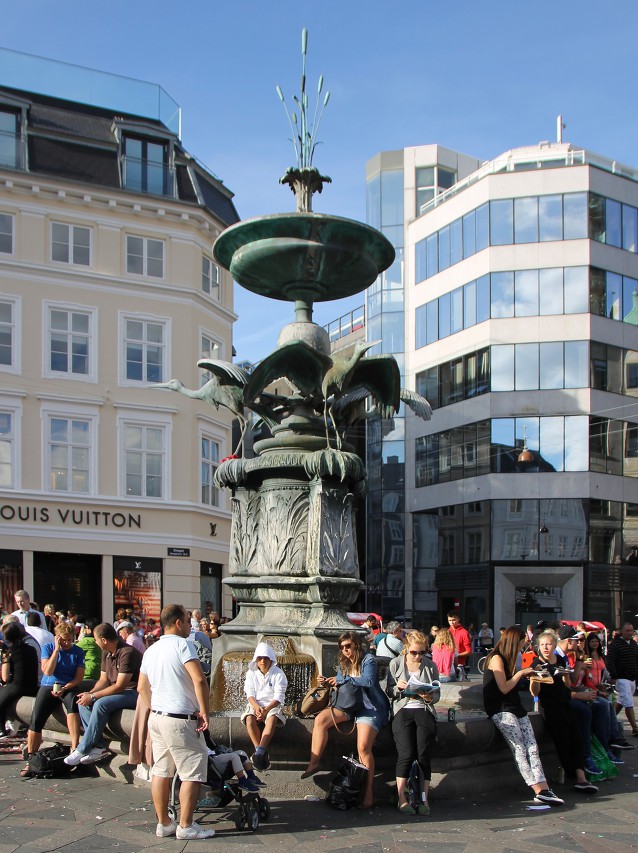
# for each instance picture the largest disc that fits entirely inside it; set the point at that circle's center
(224, 790)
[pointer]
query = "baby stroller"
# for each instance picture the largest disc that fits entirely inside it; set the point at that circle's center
(224, 790)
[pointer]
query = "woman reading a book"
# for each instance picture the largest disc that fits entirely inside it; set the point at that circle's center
(413, 687)
(503, 704)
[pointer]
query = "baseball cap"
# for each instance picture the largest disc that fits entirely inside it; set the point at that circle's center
(567, 632)
(125, 624)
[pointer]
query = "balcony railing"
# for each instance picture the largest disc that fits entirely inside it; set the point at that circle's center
(13, 148)
(346, 324)
(147, 177)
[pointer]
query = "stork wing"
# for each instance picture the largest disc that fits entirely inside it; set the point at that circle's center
(298, 362)
(379, 375)
(417, 403)
(226, 373)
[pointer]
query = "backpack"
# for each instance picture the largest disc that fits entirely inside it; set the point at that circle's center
(204, 654)
(49, 762)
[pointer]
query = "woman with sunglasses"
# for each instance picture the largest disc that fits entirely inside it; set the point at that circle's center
(503, 704)
(414, 722)
(353, 665)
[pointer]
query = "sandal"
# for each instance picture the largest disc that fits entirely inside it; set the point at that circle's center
(406, 808)
(26, 772)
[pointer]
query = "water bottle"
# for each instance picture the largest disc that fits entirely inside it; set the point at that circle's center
(560, 776)
(451, 715)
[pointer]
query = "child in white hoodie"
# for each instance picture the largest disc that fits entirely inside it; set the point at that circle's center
(265, 689)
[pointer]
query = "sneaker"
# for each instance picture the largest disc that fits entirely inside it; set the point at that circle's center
(193, 831)
(164, 831)
(255, 779)
(261, 761)
(586, 788)
(74, 758)
(621, 743)
(592, 767)
(96, 754)
(247, 786)
(548, 797)
(613, 759)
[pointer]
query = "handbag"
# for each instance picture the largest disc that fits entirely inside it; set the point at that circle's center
(314, 700)
(347, 697)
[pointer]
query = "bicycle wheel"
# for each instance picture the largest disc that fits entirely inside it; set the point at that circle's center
(481, 664)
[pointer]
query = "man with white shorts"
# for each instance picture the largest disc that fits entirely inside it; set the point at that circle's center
(173, 685)
(622, 663)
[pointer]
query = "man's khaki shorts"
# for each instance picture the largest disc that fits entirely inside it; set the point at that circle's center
(274, 712)
(177, 745)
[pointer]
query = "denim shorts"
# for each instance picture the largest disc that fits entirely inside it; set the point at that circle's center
(375, 719)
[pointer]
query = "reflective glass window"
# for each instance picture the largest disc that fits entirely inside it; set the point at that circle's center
(576, 287)
(614, 447)
(631, 373)
(551, 291)
(576, 443)
(501, 222)
(432, 255)
(444, 315)
(427, 384)
(576, 364)
(503, 432)
(526, 293)
(432, 322)
(482, 227)
(469, 234)
(526, 367)
(598, 366)
(456, 310)
(373, 201)
(575, 216)
(613, 223)
(630, 300)
(483, 299)
(451, 379)
(420, 266)
(597, 217)
(629, 228)
(527, 430)
(597, 291)
(424, 187)
(526, 220)
(502, 294)
(470, 304)
(614, 370)
(420, 323)
(502, 368)
(392, 197)
(393, 338)
(551, 442)
(550, 217)
(614, 295)
(444, 248)
(551, 365)
(456, 242)
(446, 178)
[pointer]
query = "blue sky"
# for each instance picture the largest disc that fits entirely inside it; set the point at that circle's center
(476, 77)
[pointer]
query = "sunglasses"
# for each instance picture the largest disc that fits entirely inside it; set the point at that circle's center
(347, 646)
(417, 652)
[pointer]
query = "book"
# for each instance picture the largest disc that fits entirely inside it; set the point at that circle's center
(415, 687)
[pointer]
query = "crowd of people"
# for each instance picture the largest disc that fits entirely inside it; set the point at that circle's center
(391, 676)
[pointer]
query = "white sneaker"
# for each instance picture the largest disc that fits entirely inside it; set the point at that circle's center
(164, 831)
(74, 758)
(96, 754)
(194, 831)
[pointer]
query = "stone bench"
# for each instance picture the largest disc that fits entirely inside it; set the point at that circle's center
(469, 752)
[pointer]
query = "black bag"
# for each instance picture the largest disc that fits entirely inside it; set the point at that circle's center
(346, 785)
(348, 697)
(49, 762)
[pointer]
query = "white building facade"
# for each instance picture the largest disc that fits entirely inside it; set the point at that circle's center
(519, 284)
(107, 286)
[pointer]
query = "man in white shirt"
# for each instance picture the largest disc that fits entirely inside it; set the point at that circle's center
(23, 600)
(173, 685)
(33, 628)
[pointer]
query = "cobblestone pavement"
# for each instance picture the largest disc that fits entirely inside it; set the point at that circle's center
(86, 813)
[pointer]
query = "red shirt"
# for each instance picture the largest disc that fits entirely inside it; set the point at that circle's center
(462, 641)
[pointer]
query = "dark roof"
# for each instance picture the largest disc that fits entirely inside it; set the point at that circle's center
(79, 142)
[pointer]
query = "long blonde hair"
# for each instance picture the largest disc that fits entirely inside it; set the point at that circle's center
(444, 638)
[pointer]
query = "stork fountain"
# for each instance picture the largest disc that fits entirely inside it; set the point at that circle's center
(293, 565)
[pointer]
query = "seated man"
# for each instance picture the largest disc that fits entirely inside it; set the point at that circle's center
(392, 645)
(265, 689)
(116, 688)
(127, 632)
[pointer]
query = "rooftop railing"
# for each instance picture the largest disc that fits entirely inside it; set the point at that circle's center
(347, 323)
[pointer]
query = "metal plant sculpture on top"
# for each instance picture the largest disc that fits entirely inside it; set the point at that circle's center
(305, 180)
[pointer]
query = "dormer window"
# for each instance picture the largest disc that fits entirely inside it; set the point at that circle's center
(145, 166)
(10, 139)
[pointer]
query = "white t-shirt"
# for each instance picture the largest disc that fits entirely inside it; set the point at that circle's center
(172, 689)
(40, 634)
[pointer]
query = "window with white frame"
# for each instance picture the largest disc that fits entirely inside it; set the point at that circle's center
(208, 465)
(144, 456)
(7, 449)
(144, 256)
(69, 444)
(210, 277)
(144, 350)
(8, 334)
(70, 335)
(6, 233)
(70, 244)
(209, 348)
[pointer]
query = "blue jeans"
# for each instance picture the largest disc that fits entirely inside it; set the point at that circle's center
(95, 717)
(592, 718)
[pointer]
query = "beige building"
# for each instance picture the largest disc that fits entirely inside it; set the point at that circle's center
(107, 285)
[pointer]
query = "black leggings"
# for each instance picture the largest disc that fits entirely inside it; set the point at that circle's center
(9, 695)
(45, 705)
(414, 731)
(563, 727)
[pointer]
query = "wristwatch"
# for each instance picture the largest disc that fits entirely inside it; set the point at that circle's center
(92, 697)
